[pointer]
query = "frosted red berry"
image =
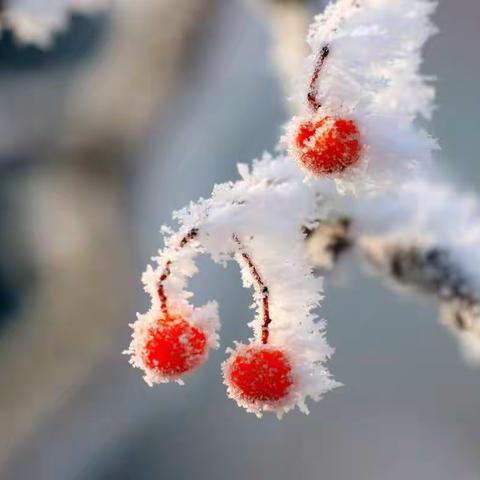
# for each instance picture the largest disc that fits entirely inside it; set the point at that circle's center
(326, 145)
(174, 347)
(260, 374)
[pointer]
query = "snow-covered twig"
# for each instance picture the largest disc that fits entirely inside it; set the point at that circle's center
(432, 271)
(356, 134)
(423, 239)
(432, 250)
(258, 222)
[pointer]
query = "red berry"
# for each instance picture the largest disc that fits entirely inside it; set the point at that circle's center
(326, 145)
(259, 374)
(174, 347)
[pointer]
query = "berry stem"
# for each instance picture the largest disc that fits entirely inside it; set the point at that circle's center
(312, 94)
(261, 288)
(167, 271)
(260, 284)
(312, 100)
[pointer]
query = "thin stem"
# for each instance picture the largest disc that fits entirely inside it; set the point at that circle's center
(261, 288)
(260, 284)
(167, 271)
(312, 94)
(313, 87)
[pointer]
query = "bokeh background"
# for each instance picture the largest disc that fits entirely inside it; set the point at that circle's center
(131, 114)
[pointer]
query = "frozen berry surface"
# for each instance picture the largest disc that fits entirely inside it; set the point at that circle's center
(327, 145)
(174, 347)
(260, 374)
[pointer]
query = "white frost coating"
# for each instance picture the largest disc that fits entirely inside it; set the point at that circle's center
(429, 214)
(371, 75)
(457, 293)
(427, 210)
(36, 21)
(265, 212)
(434, 213)
(421, 215)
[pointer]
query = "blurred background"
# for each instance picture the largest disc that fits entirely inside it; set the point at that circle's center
(130, 114)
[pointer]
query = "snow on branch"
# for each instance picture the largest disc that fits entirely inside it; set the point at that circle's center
(361, 94)
(258, 222)
(434, 251)
(423, 239)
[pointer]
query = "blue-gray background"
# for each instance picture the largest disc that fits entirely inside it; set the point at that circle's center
(410, 408)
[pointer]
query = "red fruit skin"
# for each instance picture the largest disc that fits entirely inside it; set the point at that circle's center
(326, 145)
(260, 374)
(174, 347)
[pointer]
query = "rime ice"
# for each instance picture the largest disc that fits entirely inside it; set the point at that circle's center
(424, 239)
(362, 95)
(259, 222)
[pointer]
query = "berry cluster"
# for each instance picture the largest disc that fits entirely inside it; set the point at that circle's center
(357, 129)
(283, 364)
(170, 344)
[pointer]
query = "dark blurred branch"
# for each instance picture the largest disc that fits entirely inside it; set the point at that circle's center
(74, 210)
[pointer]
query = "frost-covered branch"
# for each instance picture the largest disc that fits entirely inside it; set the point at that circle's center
(423, 239)
(256, 221)
(435, 272)
(356, 134)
